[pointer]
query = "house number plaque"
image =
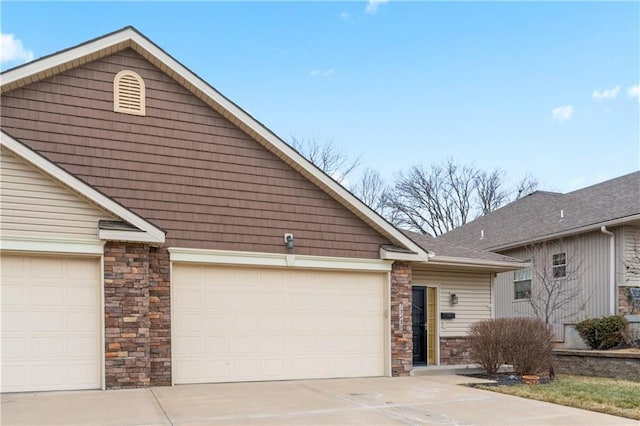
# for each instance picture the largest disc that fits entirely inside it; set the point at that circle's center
(401, 315)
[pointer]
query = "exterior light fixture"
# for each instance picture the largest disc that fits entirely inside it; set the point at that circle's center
(453, 298)
(288, 241)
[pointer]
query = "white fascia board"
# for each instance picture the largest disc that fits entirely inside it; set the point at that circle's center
(128, 236)
(51, 245)
(69, 55)
(242, 258)
(155, 235)
(129, 34)
(394, 255)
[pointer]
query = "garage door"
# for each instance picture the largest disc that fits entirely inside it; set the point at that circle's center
(238, 324)
(50, 323)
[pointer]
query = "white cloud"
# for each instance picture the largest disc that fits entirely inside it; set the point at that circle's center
(606, 94)
(634, 92)
(372, 6)
(562, 113)
(11, 50)
(345, 16)
(321, 73)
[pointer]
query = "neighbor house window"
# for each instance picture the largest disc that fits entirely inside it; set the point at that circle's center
(128, 93)
(559, 265)
(522, 283)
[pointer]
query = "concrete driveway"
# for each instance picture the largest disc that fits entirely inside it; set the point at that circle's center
(430, 400)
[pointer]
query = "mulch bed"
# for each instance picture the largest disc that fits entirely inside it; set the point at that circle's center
(502, 379)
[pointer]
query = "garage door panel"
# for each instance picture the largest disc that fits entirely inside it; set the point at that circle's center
(50, 323)
(268, 324)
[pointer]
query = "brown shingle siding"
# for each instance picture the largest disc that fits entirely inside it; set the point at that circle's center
(183, 166)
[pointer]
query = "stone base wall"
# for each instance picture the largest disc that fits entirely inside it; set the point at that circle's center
(617, 365)
(401, 334)
(455, 351)
(126, 305)
(160, 317)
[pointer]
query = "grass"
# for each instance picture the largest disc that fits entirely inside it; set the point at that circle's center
(611, 396)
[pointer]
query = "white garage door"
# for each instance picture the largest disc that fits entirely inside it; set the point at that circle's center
(50, 323)
(238, 324)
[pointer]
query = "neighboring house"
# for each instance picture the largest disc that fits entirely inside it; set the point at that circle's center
(585, 245)
(154, 233)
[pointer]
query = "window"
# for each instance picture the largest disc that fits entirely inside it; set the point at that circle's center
(522, 283)
(559, 268)
(128, 93)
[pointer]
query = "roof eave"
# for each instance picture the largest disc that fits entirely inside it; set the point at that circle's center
(490, 265)
(568, 233)
(131, 38)
(152, 234)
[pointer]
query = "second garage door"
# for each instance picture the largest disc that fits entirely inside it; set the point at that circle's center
(241, 324)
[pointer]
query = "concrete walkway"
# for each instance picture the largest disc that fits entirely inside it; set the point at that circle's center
(430, 400)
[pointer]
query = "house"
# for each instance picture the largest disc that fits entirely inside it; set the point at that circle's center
(583, 246)
(153, 233)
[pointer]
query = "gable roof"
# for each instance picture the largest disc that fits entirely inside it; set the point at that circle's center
(545, 215)
(140, 230)
(130, 38)
(448, 254)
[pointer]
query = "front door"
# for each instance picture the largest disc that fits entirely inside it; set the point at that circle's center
(419, 318)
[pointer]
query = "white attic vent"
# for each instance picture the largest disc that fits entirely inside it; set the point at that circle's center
(128, 93)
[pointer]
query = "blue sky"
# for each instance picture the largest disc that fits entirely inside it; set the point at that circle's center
(548, 88)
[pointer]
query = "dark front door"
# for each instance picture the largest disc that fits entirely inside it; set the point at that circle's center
(419, 317)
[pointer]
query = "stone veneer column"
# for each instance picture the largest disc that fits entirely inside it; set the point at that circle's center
(401, 335)
(126, 305)
(160, 316)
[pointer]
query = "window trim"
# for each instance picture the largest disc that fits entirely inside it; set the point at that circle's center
(521, 276)
(559, 270)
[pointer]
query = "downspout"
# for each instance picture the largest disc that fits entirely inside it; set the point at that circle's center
(612, 269)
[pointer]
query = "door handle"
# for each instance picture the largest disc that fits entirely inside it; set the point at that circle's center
(423, 325)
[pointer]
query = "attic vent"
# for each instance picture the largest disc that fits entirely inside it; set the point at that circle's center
(128, 93)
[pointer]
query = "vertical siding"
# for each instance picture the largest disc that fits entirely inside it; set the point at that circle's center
(591, 253)
(34, 205)
(474, 298)
(630, 264)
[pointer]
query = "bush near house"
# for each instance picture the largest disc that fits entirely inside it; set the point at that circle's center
(525, 343)
(603, 333)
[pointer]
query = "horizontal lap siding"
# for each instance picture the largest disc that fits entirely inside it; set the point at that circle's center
(474, 298)
(34, 205)
(183, 166)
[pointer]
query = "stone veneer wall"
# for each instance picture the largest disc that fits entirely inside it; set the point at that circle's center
(625, 307)
(160, 317)
(455, 351)
(401, 335)
(597, 363)
(126, 305)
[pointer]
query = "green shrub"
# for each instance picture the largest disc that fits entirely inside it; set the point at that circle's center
(603, 333)
(525, 343)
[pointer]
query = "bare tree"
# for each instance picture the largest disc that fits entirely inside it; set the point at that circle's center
(525, 186)
(326, 156)
(490, 190)
(372, 190)
(557, 292)
(438, 199)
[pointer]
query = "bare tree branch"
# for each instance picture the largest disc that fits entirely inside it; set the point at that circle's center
(326, 156)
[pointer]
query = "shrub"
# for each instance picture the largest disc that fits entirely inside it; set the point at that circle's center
(528, 344)
(603, 333)
(486, 344)
(525, 343)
